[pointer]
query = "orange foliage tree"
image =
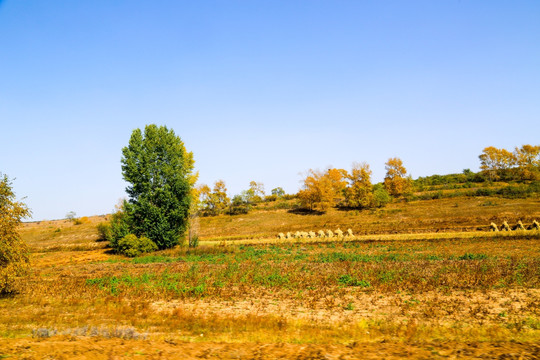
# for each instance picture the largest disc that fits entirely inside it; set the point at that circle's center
(528, 160)
(323, 190)
(396, 181)
(495, 161)
(213, 202)
(523, 163)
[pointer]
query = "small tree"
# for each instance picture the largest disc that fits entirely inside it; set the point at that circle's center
(218, 200)
(278, 192)
(360, 192)
(14, 258)
(241, 204)
(380, 196)
(256, 190)
(323, 190)
(396, 181)
(71, 215)
(528, 160)
(160, 172)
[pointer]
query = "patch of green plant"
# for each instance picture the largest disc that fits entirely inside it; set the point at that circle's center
(131, 245)
(275, 279)
(151, 259)
(469, 256)
(348, 280)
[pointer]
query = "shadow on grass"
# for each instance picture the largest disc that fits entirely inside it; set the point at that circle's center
(305, 212)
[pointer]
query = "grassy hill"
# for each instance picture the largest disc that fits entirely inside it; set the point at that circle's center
(422, 280)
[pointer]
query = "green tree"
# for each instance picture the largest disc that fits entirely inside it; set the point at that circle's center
(241, 204)
(13, 252)
(160, 172)
(278, 192)
(380, 196)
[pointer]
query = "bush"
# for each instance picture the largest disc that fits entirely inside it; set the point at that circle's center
(381, 197)
(131, 246)
(484, 192)
(240, 205)
(13, 252)
(81, 220)
(116, 229)
(194, 241)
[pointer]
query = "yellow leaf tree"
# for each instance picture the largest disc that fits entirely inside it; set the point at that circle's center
(528, 160)
(360, 192)
(396, 181)
(495, 162)
(323, 190)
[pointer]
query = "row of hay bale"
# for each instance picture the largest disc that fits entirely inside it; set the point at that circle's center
(321, 234)
(519, 226)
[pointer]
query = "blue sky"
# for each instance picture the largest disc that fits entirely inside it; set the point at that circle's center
(259, 90)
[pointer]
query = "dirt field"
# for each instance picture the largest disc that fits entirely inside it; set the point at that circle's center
(111, 349)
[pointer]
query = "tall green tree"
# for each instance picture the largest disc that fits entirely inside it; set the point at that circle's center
(160, 172)
(13, 252)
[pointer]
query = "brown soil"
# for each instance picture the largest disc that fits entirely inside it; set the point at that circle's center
(62, 347)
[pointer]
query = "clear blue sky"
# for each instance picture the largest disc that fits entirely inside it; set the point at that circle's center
(259, 90)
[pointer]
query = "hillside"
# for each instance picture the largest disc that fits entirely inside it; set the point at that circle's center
(423, 279)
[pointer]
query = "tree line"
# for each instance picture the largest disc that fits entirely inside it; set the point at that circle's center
(521, 164)
(321, 191)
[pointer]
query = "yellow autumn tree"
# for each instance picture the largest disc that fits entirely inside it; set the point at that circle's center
(215, 201)
(528, 160)
(396, 181)
(359, 194)
(13, 252)
(495, 162)
(256, 191)
(323, 190)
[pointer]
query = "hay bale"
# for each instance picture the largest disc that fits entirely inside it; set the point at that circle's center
(350, 233)
(304, 235)
(289, 235)
(339, 233)
(321, 234)
(519, 226)
(505, 226)
(493, 227)
(281, 236)
(535, 225)
(330, 234)
(297, 235)
(312, 234)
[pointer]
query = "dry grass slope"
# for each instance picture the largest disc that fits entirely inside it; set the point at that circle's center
(399, 290)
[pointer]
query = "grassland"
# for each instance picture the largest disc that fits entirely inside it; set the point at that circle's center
(400, 289)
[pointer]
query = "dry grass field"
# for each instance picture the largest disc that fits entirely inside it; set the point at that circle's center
(422, 280)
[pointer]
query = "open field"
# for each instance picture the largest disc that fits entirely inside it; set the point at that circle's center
(441, 215)
(398, 293)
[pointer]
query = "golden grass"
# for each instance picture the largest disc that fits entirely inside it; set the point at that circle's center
(403, 282)
(441, 215)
